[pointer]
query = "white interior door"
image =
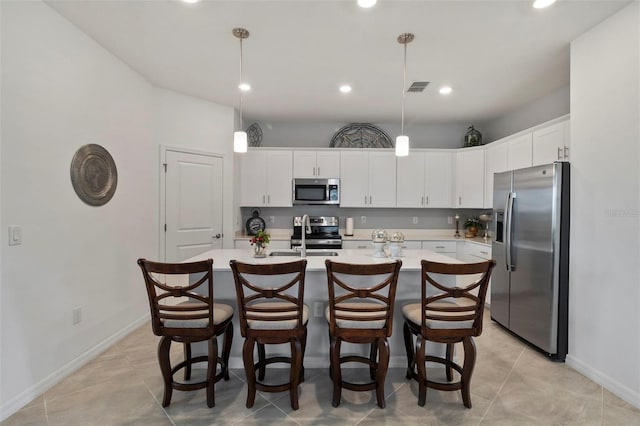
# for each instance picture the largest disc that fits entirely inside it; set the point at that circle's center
(193, 204)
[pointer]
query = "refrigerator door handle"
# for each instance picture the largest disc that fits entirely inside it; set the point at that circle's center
(509, 224)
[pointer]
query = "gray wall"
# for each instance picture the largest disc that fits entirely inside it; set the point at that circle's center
(319, 134)
(544, 109)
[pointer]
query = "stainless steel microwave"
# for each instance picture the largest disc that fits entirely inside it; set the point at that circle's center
(316, 191)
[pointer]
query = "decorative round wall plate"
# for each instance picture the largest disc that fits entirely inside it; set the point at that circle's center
(254, 135)
(94, 175)
(361, 135)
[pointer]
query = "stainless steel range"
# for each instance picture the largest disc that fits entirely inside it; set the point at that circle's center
(325, 233)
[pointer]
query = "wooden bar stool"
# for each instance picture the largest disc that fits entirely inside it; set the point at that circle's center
(271, 311)
(197, 320)
(359, 312)
(450, 315)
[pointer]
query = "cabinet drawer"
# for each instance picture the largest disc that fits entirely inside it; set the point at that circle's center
(440, 246)
(477, 250)
(357, 244)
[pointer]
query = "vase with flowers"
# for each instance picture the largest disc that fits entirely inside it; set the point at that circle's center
(259, 243)
(471, 225)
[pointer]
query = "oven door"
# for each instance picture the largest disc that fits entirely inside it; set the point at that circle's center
(317, 243)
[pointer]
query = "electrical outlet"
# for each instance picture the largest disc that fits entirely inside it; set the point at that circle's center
(363, 219)
(318, 309)
(450, 220)
(77, 315)
(15, 235)
(415, 220)
(272, 219)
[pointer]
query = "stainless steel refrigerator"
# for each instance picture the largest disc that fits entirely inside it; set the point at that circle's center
(529, 286)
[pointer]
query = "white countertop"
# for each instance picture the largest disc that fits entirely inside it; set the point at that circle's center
(278, 234)
(410, 260)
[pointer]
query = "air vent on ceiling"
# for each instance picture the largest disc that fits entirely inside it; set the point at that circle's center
(418, 86)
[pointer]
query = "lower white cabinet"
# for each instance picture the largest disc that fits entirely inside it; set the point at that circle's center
(474, 253)
(445, 247)
(357, 244)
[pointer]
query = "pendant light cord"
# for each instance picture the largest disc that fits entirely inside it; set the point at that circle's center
(404, 85)
(241, 83)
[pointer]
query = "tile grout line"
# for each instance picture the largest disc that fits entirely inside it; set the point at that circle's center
(46, 412)
(501, 386)
(602, 405)
(149, 389)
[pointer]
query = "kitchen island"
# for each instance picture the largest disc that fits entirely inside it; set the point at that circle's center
(317, 354)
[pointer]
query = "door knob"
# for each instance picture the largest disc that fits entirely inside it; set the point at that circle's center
(217, 236)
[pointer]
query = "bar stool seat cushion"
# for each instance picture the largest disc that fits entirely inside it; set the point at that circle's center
(345, 323)
(221, 313)
(411, 312)
(257, 324)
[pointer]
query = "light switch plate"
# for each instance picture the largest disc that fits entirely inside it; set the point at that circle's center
(15, 235)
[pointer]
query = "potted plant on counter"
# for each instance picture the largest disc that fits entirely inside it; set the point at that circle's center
(259, 243)
(471, 225)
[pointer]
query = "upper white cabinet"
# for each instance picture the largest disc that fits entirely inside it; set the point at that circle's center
(316, 164)
(519, 152)
(551, 144)
(495, 162)
(425, 179)
(367, 178)
(265, 178)
(470, 178)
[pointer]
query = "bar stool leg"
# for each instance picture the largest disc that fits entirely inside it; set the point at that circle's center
(262, 367)
(336, 373)
(211, 371)
(373, 360)
(408, 346)
(294, 375)
(304, 348)
(165, 368)
(187, 359)
(247, 357)
(467, 369)
(448, 369)
(381, 371)
(422, 371)
(226, 349)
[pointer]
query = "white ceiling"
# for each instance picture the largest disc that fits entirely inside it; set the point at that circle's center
(497, 55)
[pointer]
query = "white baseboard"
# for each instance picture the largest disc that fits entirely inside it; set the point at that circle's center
(615, 387)
(22, 399)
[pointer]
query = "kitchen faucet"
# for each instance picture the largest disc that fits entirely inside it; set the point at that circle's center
(306, 229)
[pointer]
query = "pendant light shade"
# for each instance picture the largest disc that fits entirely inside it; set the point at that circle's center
(240, 141)
(402, 141)
(240, 136)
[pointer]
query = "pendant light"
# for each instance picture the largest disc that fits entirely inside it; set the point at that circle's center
(240, 137)
(402, 141)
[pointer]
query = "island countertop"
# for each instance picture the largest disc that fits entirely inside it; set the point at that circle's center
(410, 260)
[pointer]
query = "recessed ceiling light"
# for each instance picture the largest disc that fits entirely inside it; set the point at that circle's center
(245, 87)
(345, 88)
(366, 3)
(445, 90)
(191, 1)
(541, 4)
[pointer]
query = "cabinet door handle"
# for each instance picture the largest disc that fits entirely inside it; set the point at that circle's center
(365, 199)
(318, 173)
(422, 201)
(459, 201)
(263, 199)
(566, 152)
(439, 247)
(362, 247)
(427, 201)
(559, 153)
(370, 200)
(268, 199)
(484, 252)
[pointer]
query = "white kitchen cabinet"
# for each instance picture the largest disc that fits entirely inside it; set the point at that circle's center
(425, 179)
(474, 253)
(495, 162)
(551, 144)
(519, 151)
(444, 246)
(316, 164)
(357, 244)
(367, 179)
(265, 178)
(470, 178)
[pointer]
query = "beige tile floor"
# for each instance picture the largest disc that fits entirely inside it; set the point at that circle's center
(512, 385)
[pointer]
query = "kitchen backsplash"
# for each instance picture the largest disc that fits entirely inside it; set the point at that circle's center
(391, 218)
